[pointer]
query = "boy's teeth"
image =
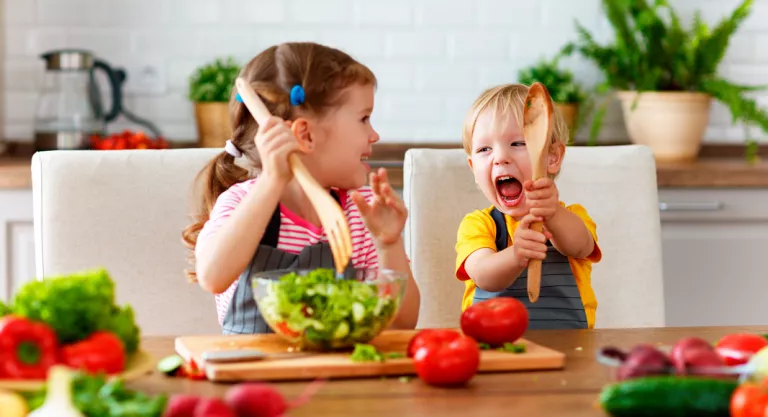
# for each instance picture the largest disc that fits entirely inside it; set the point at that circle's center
(504, 178)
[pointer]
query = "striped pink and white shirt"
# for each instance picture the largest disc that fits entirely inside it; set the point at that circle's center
(295, 232)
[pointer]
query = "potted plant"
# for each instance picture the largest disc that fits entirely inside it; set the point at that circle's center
(210, 87)
(565, 92)
(666, 75)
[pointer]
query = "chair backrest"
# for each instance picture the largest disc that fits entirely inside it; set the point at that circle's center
(617, 186)
(124, 211)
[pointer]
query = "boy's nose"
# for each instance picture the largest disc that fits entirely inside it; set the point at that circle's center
(501, 158)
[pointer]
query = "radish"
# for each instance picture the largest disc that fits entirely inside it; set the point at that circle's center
(181, 405)
(262, 400)
(213, 407)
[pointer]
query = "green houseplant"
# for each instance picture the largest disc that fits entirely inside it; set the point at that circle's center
(210, 87)
(568, 95)
(666, 75)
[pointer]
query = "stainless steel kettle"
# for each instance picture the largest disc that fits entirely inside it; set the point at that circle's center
(70, 108)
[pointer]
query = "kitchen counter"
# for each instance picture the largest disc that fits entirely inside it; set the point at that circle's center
(718, 166)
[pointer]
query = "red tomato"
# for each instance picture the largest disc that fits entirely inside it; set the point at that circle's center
(448, 363)
(749, 400)
(429, 337)
(496, 321)
(737, 348)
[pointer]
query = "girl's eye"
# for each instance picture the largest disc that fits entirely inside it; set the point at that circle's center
(365, 119)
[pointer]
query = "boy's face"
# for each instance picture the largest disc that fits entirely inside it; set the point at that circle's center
(500, 162)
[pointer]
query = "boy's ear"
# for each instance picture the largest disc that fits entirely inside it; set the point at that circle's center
(555, 157)
(469, 161)
(300, 128)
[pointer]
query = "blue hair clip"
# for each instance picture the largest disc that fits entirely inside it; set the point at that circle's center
(238, 98)
(297, 95)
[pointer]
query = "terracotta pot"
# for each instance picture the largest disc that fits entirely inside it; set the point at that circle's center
(672, 124)
(569, 111)
(213, 125)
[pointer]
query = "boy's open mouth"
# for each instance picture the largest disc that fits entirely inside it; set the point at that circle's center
(510, 190)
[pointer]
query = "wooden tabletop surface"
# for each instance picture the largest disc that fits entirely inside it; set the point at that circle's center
(571, 391)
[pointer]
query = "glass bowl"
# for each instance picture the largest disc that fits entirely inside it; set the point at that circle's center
(615, 361)
(314, 309)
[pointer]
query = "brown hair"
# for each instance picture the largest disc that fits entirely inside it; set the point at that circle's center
(504, 100)
(322, 72)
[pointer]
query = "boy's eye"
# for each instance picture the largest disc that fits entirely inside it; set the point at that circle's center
(518, 143)
(365, 119)
(483, 149)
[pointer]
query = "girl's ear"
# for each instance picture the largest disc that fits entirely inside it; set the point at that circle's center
(555, 157)
(300, 128)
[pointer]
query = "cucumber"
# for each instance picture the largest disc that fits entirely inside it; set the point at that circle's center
(668, 396)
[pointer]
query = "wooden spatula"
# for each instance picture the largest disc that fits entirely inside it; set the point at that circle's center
(331, 215)
(537, 128)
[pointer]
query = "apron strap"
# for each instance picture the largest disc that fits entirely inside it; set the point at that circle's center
(502, 235)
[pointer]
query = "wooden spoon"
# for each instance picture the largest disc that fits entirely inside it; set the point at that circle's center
(331, 215)
(537, 128)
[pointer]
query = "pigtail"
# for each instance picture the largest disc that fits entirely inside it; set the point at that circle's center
(215, 178)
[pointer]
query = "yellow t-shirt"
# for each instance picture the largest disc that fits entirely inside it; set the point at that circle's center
(478, 230)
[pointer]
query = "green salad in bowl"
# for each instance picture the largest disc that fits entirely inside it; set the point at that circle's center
(316, 310)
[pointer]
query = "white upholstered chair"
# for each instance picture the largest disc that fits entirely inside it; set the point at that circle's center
(125, 211)
(617, 186)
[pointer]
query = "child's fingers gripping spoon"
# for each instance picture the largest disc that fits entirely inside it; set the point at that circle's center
(537, 128)
(331, 215)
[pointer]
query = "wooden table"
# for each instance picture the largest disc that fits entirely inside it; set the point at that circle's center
(571, 391)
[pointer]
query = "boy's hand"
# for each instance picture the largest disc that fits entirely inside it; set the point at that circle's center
(385, 216)
(527, 243)
(542, 197)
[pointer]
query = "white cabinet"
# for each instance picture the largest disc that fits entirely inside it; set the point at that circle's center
(17, 241)
(715, 248)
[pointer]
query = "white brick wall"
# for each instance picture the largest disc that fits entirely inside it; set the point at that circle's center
(432, 57)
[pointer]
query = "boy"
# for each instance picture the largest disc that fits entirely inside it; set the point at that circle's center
(495, 244)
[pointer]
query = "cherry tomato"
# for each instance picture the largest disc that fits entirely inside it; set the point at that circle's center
(496, 321)
(448, 362)
(430, 336)
(749, 400)
(737, 348)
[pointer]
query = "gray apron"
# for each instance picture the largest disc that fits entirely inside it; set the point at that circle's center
(559, 305)
(243, 316)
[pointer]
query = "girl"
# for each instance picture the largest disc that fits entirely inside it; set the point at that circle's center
(321, 101)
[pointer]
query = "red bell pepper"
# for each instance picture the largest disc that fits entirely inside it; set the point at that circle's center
(100, 352)
(28, 349)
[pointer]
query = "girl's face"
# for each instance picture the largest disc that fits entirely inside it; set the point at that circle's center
(343, 139)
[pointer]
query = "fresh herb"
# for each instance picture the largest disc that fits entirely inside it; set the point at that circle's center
(652, 51)
(94, 396)
(76, 306)
(368, 353)
(560, 82)
(213, 81)
(330, 312)
(506, 347)
(405, 379)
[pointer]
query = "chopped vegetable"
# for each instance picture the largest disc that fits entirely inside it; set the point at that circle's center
(506, 347)
(95, 397)
(77, 305)
(28, 349)
(366, 353)
(100, 352)
(329, 312)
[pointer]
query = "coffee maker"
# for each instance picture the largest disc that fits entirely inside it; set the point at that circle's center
(70, 108)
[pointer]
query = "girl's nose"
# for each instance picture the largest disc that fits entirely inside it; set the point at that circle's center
(374, 137)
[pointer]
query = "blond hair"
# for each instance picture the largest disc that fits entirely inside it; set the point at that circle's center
(503, 101)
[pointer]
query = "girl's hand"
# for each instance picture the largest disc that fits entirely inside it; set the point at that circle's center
(275, 142)
(385, 216)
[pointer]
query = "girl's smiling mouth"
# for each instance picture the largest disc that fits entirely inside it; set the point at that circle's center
(509, 190)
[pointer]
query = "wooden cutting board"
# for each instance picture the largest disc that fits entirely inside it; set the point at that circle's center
(339, 365)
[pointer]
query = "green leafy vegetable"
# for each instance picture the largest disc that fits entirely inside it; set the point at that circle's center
(506, 347)
(366, 353)
(213, 81)
(653, 51)
(94, 396)
(77, 305)
(329, 312)
(4, 309)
